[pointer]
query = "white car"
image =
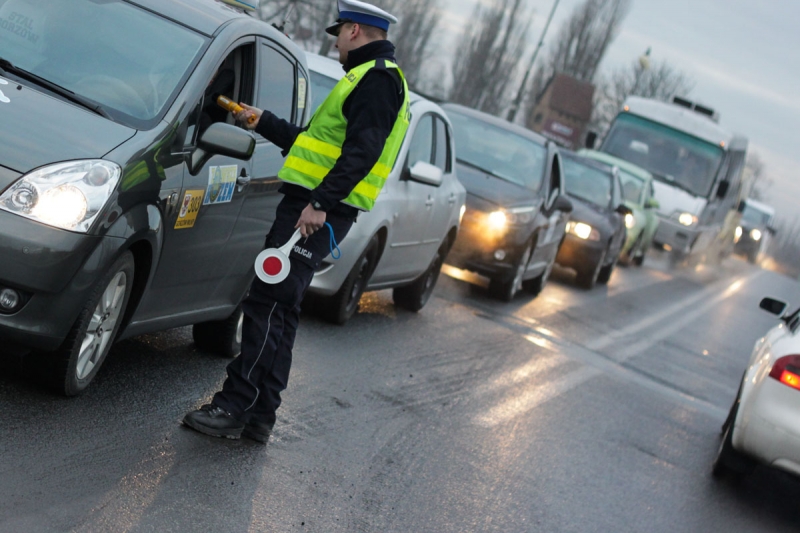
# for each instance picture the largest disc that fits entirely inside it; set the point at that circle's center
(764, 422)
(402, 242)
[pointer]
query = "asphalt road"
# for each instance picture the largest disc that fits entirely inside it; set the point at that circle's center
(575, 412)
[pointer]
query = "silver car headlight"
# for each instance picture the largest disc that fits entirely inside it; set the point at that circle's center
(64, 195)
(583, 231)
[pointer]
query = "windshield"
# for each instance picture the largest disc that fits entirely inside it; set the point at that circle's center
(498, 151)
(128, 60)
(587, 183)
(321, 87)
(632, 187)
(672, 156)
(753, 217)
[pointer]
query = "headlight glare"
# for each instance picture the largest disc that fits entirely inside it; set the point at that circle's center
(583, 231)
(738, 233)
(630, 221)
(64, 195)
(498, 220)
(687, 219)
(755, 234)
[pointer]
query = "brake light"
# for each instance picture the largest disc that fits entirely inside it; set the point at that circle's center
(787, 371)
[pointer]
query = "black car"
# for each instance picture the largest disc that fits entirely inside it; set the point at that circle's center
(516, 209)
(755, 230)
(127, 204)
(596, 230)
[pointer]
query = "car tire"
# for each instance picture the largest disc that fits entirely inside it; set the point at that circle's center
(414, 297)
(536, 285)
(604, 275)
(630, 257)
(72, 367)
(729, 462)
(505, 289)
(587, 278)
(340, 307)
(221, 337)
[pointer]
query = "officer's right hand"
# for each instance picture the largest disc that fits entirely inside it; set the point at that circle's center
(246, 113)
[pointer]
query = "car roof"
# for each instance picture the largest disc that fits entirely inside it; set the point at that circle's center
(333, 69)
(204, 16)
(586, 161)
(496, 121)
(617, 162)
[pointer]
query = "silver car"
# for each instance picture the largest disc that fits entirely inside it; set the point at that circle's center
(402, 242)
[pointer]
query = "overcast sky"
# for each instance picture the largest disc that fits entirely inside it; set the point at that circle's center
(742, 54)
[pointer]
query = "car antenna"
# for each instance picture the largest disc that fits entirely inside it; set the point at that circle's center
(285, 19)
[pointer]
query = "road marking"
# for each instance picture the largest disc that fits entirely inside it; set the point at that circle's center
(598, 365)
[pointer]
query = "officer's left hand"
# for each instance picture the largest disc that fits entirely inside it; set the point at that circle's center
(310, 221)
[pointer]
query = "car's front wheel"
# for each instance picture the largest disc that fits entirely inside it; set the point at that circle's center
(587, 276)
(72, 367)
(414, 297)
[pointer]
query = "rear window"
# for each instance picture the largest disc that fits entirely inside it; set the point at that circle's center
(128, 60)
(587, 183)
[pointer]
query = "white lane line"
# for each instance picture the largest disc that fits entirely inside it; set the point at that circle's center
(661, 316)
(531, 398)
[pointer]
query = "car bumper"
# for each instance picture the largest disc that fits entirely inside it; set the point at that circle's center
(55, 271)
(746, 245)
(769, 426)
(491, 254)
(578, 253)
(675, 236)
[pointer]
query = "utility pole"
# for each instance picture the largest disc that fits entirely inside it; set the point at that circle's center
(512, 113)
(644, 64)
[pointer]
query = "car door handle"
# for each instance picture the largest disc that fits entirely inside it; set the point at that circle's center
(452, 198)
(430, 202)
(242, 180)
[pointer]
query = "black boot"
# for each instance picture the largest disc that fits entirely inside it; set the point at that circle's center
(257, 431)
(214, 421)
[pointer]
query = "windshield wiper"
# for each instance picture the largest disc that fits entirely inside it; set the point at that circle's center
(7, 67)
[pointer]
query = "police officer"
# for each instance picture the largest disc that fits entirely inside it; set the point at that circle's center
(335, 168)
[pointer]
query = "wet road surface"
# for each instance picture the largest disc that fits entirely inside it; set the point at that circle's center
(575, 412)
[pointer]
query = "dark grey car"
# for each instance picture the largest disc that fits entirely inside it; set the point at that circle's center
(127, 204)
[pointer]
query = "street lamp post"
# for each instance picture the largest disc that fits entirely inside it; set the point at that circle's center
(644, 64)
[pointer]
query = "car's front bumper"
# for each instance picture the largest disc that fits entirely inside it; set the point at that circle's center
(579, 254)
(55, 271)
(768, 426)
(674, 236)
(479, 249)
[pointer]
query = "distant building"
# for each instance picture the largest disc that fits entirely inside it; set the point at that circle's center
(563, 111)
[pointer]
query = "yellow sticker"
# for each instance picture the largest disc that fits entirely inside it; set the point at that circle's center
(190, 206)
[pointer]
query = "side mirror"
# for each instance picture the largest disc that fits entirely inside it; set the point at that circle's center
(722, 190)
(652, 203)
(426, 173)
(591, 140)
(772, 230)
(562, 204)
(222, 139)
(741, 206)
(623, 210)
(770, 305)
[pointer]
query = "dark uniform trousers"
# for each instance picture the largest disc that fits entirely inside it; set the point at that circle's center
(251, 393)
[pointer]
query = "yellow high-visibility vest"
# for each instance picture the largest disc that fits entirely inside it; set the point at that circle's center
(315, 151)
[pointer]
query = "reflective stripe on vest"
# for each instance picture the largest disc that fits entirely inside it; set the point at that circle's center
(315, 152)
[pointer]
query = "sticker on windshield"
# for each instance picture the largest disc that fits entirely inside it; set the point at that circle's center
(301, 93)
(221, 183)
(189, 208)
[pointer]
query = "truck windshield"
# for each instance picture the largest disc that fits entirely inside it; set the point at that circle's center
(754, 217)
(498, 151)
(128, 60)
(671, 156)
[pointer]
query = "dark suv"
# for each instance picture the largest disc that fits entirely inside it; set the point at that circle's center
(516, 210)
(129, 201)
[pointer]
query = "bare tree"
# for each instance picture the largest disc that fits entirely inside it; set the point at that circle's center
(488, 53)
(581, 43)
(661, 81)
(417, 21)
(305, 21)
(755, 173)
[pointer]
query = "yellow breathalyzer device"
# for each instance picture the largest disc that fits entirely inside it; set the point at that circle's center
(231, 106)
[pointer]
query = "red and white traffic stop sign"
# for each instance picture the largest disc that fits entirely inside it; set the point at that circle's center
(272, 265)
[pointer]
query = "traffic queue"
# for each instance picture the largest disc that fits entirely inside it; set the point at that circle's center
(133, 201)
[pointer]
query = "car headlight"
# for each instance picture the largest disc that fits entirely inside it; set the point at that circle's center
(583, 231)
(501, 219)
(687, 219)
(755, 234)
(461, 213)
(64, 195)
(498, 220)
(630, 221)
(737, 234)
